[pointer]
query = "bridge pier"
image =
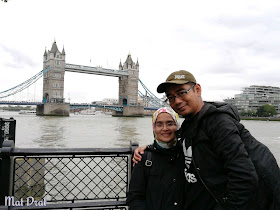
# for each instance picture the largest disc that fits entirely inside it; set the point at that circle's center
(130, 111)
(53, 109)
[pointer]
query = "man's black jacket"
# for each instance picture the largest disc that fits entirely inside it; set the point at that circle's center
(268, 195)
(220, 158)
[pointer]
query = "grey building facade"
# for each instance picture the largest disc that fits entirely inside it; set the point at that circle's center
(255, 96)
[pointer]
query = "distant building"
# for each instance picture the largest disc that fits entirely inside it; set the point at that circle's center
(142, 102)
(255, 96)
(110, 101)
(97, 102)
(148, 101)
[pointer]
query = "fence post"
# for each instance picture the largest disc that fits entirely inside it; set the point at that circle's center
(12, 129)
(2, 131)
(6, 168)
(7, 130)
(133, 145)
(7, 144)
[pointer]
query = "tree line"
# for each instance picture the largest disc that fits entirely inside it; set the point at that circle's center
(17, 108)
(263, 111)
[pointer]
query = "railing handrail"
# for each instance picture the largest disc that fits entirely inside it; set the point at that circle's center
(68, 151)
(71, 205)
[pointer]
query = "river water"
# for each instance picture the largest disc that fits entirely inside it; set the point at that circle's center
(99, 131)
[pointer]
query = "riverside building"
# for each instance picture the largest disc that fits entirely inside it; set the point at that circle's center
(255, 96)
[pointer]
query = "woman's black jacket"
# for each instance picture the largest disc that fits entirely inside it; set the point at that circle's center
(161, 185)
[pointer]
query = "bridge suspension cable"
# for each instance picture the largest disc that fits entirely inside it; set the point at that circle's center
(150, 98)
(23, 85)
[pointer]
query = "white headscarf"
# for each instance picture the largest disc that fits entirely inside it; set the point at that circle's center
(175, 117)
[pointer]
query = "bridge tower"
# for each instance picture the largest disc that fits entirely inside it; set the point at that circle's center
(128, 89)
(53, 84)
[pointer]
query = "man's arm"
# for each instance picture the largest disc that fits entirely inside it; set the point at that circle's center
(137, 154)
(242, 180)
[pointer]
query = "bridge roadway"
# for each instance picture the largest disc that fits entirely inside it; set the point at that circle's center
(73, 105)
(94, 70)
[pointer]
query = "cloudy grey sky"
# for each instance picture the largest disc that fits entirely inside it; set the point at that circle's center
(227, 45)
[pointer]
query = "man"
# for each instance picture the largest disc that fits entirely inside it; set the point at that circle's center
(220, 173)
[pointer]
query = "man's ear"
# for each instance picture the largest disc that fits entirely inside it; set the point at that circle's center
(197, 88)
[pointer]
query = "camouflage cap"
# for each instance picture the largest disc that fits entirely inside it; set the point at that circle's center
(177, 77)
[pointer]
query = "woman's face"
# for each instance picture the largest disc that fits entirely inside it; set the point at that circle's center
(165, 128)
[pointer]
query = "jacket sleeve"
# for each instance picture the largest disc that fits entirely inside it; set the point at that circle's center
(242, 179)
(136, 196)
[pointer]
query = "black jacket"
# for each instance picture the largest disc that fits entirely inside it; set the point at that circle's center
(220, 157)
(160, 186)
(268, 194)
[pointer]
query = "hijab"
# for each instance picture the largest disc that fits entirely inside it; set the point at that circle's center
(175, 117)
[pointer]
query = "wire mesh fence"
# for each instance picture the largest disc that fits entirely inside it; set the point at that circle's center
(67, 178)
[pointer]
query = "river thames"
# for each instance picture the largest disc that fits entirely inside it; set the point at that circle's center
(99, 131)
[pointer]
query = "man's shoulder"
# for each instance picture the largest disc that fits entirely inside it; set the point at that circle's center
(216, 116)
(217, 122)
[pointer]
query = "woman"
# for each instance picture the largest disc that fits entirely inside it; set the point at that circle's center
(157, 182)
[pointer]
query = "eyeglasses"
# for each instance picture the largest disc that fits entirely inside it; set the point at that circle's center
(167, 125)
(171, 99)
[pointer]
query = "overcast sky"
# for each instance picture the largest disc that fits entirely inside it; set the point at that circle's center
(227, 45)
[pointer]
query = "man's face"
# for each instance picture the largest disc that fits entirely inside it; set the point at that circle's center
(188, 104)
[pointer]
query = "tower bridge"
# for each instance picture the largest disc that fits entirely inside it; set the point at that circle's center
(94, 70)
(54, 68)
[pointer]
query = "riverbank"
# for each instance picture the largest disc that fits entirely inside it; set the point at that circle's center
(261, 118)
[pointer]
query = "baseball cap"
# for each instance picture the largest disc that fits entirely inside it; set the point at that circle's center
(177, 77)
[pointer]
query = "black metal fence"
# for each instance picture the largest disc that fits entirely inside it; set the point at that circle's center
(86, 178)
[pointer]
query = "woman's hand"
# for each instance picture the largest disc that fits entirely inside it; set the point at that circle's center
(137, 157)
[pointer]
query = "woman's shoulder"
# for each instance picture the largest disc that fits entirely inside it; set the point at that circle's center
(150, 149)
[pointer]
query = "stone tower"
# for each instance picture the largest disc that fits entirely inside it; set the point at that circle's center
(53, 84)
(53, 81)
(128, 90)
(128, 85)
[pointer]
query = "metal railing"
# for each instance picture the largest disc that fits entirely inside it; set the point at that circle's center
(64, 178)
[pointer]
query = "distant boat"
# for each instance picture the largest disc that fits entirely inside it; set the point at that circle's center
(108, 113)
(29, 112)
(87, 112)
(99, 112)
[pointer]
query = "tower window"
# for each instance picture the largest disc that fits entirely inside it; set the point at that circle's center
(56, 84)
(56, 94)
(57, 63)
(56, 75)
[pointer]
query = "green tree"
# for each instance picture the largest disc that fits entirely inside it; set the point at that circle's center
(251, 113)
(266, 111)
(243, 113)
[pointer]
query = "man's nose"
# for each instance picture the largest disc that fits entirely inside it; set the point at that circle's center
(177, 100)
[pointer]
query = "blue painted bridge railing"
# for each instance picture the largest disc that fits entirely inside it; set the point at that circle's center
(62, 178)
